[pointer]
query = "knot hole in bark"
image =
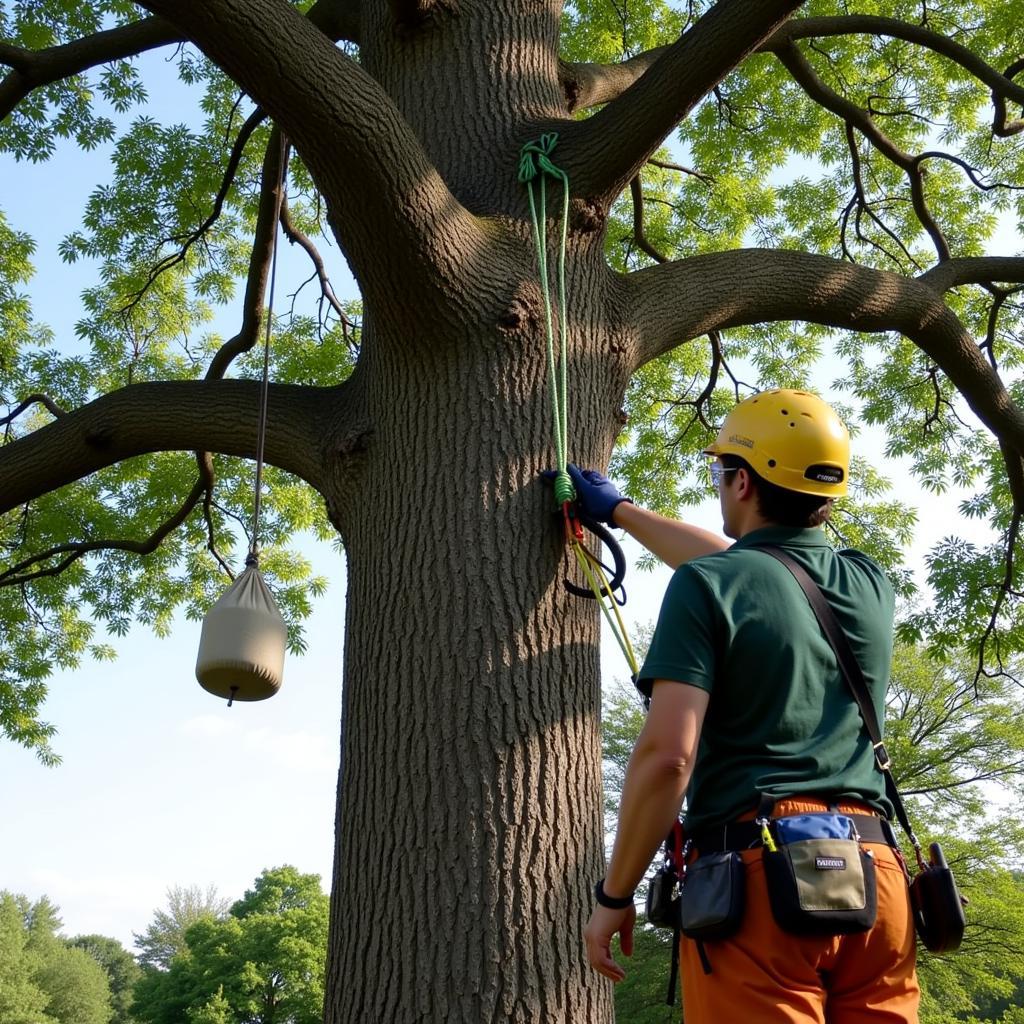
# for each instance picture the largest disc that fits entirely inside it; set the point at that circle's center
(100, 436)
(571, 89)
(586, 216)
(412, 17)
(523, 316)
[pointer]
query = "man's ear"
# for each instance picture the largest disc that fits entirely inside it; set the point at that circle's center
(744, 484)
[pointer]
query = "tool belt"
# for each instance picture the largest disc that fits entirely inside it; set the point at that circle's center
(746, 835)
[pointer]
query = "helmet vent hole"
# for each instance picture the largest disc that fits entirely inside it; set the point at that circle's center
(771, 463)
(791, 423)
(785, 412)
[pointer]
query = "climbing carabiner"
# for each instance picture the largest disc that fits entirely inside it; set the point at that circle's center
(618, 568)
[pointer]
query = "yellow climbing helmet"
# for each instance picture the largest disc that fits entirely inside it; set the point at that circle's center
(790, 438)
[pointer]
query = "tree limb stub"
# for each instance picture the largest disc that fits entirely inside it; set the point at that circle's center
(605, 151)
(33, 68)
(381, 189)
(589, 85)
(691, 297)
(219, 416)
(974, 270)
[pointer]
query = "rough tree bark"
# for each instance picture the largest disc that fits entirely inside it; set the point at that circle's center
(469, 812)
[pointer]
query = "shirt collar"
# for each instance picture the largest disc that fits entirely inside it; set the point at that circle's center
(811, 536)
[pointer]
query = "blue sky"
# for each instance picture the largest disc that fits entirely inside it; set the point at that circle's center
(162, 784)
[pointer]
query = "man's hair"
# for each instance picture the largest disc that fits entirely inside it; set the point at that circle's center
(779, 505)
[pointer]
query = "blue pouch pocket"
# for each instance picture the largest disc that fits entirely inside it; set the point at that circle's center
(797, 827)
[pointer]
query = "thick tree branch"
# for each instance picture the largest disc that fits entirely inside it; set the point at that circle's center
(33, 68)
(380, 187)
(219, 416)
(607, 150)
(589, 85)
(681, 300)
(30, 69)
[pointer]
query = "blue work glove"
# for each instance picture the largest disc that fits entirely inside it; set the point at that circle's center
(597, 495)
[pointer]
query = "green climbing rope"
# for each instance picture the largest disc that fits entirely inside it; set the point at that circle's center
(535, 162)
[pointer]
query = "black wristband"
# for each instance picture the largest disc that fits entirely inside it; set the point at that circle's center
(612, 902)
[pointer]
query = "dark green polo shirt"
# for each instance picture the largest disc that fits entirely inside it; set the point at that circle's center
(781, 719)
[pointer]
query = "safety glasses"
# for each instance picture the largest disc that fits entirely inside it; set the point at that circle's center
(717, 471)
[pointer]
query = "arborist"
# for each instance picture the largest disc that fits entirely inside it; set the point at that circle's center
(749, 718)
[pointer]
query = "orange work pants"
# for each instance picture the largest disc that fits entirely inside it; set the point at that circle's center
(763, 975)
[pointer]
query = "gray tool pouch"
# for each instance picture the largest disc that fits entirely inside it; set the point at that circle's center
(712, 897)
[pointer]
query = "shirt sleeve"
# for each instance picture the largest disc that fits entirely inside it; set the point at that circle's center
(683, 646)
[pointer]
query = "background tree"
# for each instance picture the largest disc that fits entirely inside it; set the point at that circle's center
(22, 1001)
(121, 969)
(164, 936)
(43, 979)
(261, 964)
(418, 432)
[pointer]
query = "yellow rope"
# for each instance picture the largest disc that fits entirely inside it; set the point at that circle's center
(598, 581)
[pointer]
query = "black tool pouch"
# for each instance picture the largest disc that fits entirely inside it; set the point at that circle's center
(937, 905)
(662, 908)
(821, 886)
(712, 897)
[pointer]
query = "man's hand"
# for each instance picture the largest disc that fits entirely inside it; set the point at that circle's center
(603, 924)
(597, 495)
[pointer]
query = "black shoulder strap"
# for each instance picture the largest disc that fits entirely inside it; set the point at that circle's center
(852, 673)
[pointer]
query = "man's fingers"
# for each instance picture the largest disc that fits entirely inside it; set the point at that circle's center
(600, 957)
(626, 939)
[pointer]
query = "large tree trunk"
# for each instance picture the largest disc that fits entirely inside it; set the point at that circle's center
(469, 814)
(469, 828)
